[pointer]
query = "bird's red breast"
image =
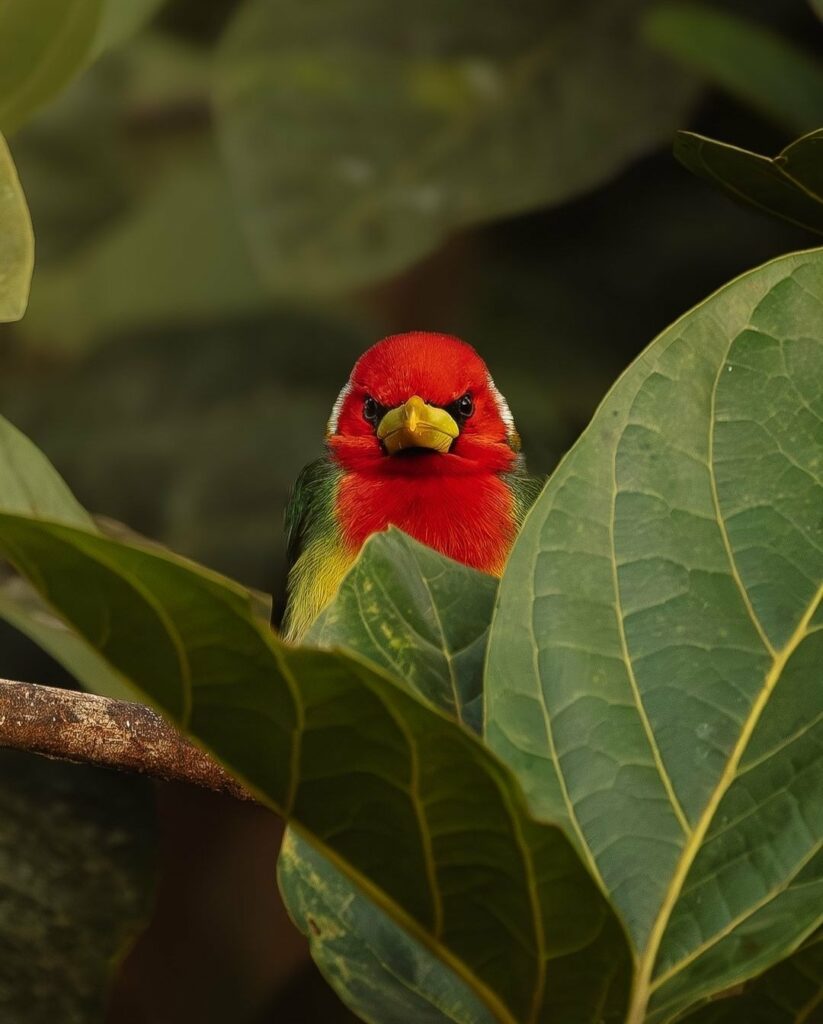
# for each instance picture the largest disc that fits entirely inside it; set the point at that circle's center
(423, 437)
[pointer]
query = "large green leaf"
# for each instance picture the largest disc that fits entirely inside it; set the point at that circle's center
(76, 882)
(654, 660)
(789, 185)
(358, 142)
(16, 241)
(405, 800)
(790, 993)
(425, 618)
(747, 60)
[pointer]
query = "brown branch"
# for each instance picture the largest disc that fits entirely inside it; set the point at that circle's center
(116, 734)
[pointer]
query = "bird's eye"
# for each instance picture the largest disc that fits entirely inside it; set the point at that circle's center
(464, 406)
(371, 410)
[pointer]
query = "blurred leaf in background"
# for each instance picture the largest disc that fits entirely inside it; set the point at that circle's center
(120, 19)
(45, 43)
(357, 142)
(750, 61)
(16, 241)
(73, 161)
(127, 192)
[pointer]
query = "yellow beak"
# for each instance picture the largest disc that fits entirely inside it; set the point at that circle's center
(417, 425)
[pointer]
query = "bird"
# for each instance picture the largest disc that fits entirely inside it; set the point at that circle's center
(420, 439)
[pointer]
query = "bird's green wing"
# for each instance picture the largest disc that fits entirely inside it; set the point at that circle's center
(316, 556)
(310, 506)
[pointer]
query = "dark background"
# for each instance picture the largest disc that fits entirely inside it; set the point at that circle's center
(184, 402)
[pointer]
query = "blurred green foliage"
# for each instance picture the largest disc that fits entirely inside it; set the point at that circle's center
(45, 43)
(195, 188)
(357, 143)
(759, 66)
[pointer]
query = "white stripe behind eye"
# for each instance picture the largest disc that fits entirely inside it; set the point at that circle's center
(505, 414)
(331, 427)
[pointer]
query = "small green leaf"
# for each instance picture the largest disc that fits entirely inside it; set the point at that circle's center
(356, 147)
(789, 185)
(750, 62)
(403, 799)
(654, 660)
(425, 618)
(76, 884)
(16, 241)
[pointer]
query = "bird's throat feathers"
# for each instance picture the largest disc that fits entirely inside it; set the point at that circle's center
(466, 516)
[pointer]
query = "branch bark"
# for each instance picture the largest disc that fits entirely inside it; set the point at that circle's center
(117, 734)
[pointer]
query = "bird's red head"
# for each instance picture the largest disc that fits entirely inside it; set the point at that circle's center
(419, 404)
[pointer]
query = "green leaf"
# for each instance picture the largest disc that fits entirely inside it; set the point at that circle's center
(746, 60)
(16, 241)
(425, 618)
(789, 186)
(789, 993)
(379, 971)
(76, 884)
(400, 134)
(419, 616)
(406, 801)
(653, 672)
(30, 485)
